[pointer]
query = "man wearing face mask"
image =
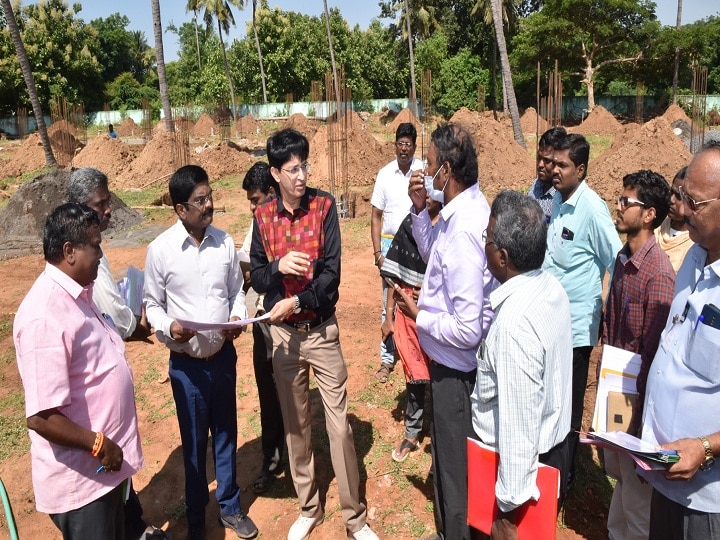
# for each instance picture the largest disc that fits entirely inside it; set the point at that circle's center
(453, 312)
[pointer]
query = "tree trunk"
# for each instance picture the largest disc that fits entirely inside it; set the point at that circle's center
(29, 82)
(227, 72)
(413, 93)
(589, 81)
(678, 22)
(257, 44)
(336, 82)
(197, 38)
(160, 56)
(506, 75)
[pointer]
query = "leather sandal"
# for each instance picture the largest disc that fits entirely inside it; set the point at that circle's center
(263, 481)
(401, 453)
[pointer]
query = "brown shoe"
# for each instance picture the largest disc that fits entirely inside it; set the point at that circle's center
(401, 453)
(383, 372)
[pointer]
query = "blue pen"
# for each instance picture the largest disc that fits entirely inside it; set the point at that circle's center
(627, 304)
(700, 319)
(100, 469)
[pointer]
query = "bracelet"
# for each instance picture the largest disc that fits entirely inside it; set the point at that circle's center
(378, 251)
(99, 440)
(377, 260)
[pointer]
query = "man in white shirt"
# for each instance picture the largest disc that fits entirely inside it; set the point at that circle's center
(192, 274)
(390, 204)
(521, 403)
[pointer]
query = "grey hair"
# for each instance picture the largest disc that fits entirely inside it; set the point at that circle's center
(520, 229)
(83, 183)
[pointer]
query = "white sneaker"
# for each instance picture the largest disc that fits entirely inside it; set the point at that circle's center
(366, 533)
(303, 526)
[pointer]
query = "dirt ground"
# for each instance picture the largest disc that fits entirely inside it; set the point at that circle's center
(398, 495)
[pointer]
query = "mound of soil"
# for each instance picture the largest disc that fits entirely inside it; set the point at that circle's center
(246, 126)
(111, 156)
(62, 125)
(128, 128)
(651, 146)
(299, 122)
(404, 116)
(598, 122)
(224, 159)
(530, 122)
(22, 220)
(502, 162)
(204, 127)
(675, 113)
(31, 157)
(154, 163)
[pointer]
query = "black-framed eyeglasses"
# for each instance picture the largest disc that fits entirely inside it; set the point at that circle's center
(200, 202)
(404, 144)
(624, 202)
(693, 205)
(676, 193)
(304, 167)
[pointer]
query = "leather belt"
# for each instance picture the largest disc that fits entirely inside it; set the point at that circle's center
(306, 326)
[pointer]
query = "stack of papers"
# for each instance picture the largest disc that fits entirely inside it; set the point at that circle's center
(646, 455)
(618, 375)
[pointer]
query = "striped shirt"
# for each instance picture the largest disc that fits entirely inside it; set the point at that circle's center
(521, 403)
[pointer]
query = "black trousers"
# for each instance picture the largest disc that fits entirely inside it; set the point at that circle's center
(102, 518)
(581, 361)
(672, 521)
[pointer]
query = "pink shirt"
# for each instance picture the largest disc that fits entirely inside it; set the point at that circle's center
(72, 360)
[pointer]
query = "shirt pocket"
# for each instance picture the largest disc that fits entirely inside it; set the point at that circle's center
(702, 356)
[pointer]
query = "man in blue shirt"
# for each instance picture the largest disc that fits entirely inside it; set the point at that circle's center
(582, 243)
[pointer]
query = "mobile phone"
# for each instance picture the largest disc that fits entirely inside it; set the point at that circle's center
(710, 316)
(391, 283)
(390, 344)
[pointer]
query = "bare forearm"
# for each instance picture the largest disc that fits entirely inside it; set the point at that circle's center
(58, 429)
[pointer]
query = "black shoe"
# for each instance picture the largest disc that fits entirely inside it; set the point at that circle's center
(241, 523)
(196, 532)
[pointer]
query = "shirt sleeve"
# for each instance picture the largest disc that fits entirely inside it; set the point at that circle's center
(265, 275)
(604, 237)
(422, 231)
(519, 367)
(236, 294)
(154, 295)
(107, 297)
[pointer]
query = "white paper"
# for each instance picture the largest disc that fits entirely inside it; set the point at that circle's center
(198, 326)
(619, 370)
(131, 289)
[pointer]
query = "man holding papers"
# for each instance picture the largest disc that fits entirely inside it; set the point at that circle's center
(521, 403)
(192, 273)
(683, 387)
(637, 307)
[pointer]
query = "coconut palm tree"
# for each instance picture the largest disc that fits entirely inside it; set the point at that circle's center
(678, 22)
(192, 6)
(506, 74)
(220, 11)
(257, 44)
(160, 58)
(29, 82)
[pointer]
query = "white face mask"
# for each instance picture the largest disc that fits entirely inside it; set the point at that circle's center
(434, 194)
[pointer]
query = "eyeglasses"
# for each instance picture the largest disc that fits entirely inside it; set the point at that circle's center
(200, 202)
(305, 167)
(675, 193)
(624, 202)
(487, 240)
(692, 203)
(404, 144)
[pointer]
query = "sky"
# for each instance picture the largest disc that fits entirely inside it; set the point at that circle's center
(354, 11)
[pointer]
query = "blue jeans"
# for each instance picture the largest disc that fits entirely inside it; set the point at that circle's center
(204, 394)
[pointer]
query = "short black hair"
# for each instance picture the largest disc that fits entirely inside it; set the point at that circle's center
(653, 190)
(69, 222)
(680, 175)
(183, 183)
(259, 177)
(520, 229)
(551, 137)
(579, 149)
(283, 145)
(455, 146)
(406, 129)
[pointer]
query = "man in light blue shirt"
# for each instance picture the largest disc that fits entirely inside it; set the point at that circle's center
(683, 388)
(582, 243)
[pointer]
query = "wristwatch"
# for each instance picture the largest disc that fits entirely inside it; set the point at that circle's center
(298, 309)
(709, 456)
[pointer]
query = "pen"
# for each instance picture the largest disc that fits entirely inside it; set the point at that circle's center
(700, 319)
(100, 469)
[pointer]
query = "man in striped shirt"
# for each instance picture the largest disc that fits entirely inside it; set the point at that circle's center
(521, 403)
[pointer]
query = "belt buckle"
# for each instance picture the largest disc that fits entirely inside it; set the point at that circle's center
(303, 327)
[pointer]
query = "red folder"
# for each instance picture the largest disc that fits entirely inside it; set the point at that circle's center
(536, 520)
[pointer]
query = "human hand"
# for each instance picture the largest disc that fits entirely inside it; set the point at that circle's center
(504, 527)
(405, 303)
(417, 191)
(180, 334)
(282, 310)
(110, 455)
(232, 333)
(295, 263)
(692, 455)
(387, 327)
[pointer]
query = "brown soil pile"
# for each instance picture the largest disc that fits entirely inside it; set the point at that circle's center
(651, 146)
(674, 113)
(530, 122)
(63, 125)
(245, 126)
(224, 159)
(111, 156)
(502, 162)
(299, 122)
(365, 157)
(598, 122)
(204, 127)
(128, 128)
(404, 116)
(31, 157)
(154, 163)
(22, 220)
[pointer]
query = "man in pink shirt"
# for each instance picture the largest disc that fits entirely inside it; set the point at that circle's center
(79, 397)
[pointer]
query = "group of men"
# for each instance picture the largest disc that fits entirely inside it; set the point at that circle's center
(508, 311)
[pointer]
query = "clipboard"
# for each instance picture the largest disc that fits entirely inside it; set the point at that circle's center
(620, 406)
(536, 520)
